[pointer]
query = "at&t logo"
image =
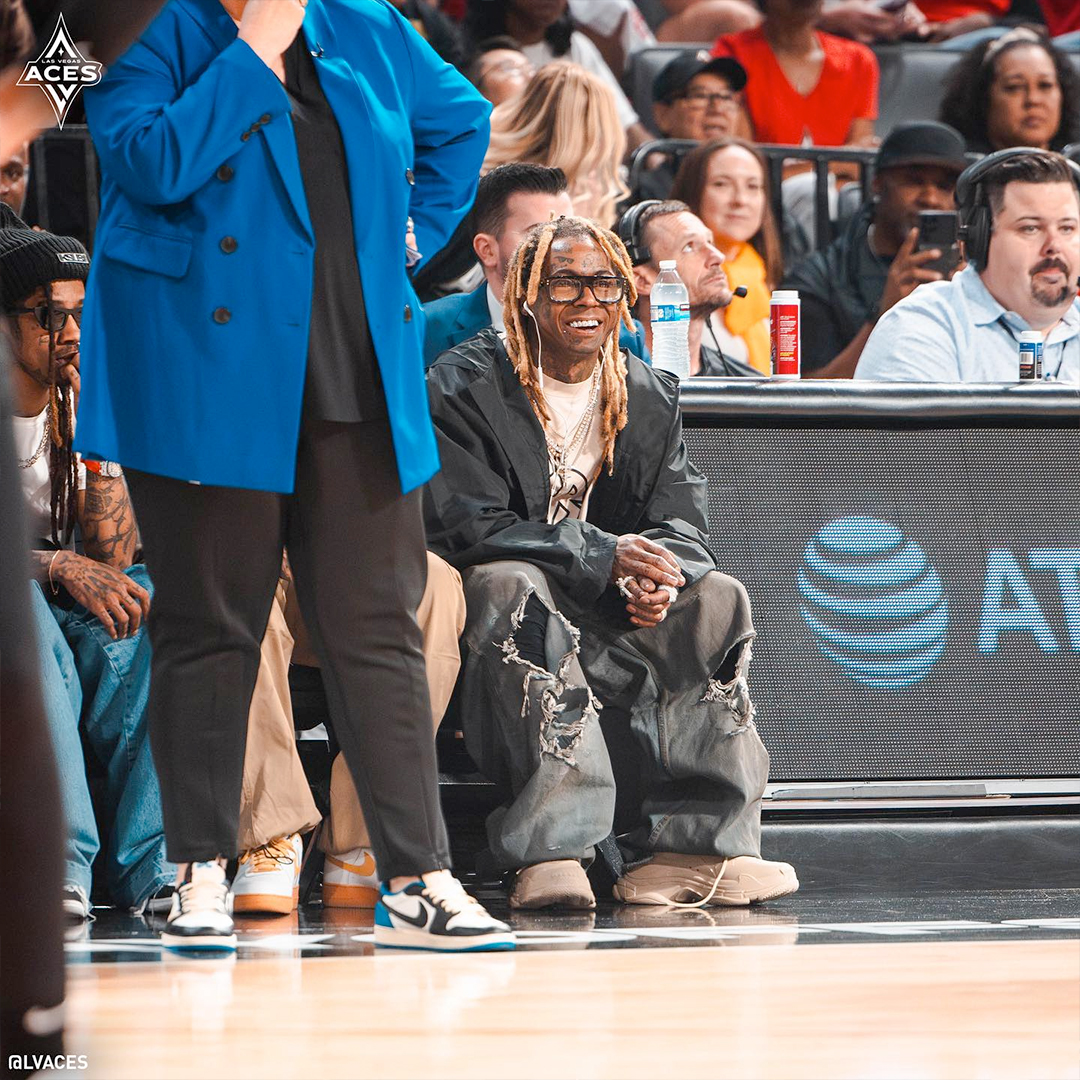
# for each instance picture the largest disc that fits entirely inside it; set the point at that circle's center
(873, 602)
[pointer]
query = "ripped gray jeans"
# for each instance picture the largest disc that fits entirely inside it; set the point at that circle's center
(651, 730)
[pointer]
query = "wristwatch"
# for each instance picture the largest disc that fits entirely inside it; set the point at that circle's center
(109, 469)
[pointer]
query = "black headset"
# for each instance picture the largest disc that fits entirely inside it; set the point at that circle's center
(628, 228)
(976, 216)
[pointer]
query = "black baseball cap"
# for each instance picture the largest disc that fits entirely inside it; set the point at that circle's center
(675, 74)
(922, 142)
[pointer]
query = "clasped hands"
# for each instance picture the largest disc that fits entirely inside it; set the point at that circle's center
(648, 575)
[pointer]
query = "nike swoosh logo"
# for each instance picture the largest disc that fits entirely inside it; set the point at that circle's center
(420, 919)
(365, 869)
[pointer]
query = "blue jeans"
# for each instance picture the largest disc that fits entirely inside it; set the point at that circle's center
(103, 684)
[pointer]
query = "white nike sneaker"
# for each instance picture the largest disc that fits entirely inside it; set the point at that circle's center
(200, 916)
(268, 878)
(435, 912)
(76, 903)
(350, 880)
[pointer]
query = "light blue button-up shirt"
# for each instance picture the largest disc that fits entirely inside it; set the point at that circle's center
(956, 332)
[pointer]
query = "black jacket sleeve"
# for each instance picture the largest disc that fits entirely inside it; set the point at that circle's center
(475, 513)
(677, 512)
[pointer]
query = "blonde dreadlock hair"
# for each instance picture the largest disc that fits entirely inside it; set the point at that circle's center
(63, 462)
(522, 286)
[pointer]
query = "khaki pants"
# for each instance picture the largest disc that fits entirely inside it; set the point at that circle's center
(276, 799)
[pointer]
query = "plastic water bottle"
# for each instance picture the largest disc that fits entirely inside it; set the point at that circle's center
(670, 310)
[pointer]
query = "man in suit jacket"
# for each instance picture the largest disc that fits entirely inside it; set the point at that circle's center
(509, 201)
(251, 353)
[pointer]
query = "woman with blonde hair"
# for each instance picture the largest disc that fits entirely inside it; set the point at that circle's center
(566, 119)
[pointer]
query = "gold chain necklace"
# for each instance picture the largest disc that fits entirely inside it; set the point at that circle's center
(563, 455)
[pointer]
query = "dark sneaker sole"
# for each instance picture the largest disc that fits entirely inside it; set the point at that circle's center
(404, 938)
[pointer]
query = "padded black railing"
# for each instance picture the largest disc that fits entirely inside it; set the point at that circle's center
(708, 399)
(819, 157)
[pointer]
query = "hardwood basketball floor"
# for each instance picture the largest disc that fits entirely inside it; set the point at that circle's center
(920, 1009)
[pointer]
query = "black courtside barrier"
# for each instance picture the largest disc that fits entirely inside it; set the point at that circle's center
(913, 558)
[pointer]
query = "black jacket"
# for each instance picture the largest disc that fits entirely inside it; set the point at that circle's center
(490, 501)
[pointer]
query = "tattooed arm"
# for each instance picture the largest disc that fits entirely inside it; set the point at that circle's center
(120, 603)
(107, 521)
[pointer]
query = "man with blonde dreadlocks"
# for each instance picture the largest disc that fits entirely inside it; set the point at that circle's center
(89, 607)
(604, 678)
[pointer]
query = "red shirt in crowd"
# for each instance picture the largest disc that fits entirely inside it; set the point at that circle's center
(943, 10)
(846, 91)
(1062, 16)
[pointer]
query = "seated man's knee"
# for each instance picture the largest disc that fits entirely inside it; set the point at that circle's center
(139, 575)
(444, 596)
(724, 615)
(505, 581)
(716, 587)
(55, 653)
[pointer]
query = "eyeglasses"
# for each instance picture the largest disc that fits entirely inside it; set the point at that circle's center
(58, 316)
(509, 67)
(568, 288)
(699, 99)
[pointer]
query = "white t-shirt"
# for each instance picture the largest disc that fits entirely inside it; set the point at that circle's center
(567, 403)
(584, 52)
(34, 480)
(495, 310)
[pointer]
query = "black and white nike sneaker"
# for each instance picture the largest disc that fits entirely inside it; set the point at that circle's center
(435, 912)
(201, 916)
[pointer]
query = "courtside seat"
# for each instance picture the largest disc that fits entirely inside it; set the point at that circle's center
(912, 83)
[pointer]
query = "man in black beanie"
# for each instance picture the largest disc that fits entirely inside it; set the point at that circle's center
(88, 607)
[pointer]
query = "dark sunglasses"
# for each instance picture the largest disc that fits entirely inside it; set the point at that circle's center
(45, 313)
(568, 289)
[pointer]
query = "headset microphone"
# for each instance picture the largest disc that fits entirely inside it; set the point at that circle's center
(740, 291)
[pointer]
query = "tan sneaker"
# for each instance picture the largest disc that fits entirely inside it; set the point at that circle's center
(350, 880)
(560, 883)
(268, 878)
(670, 879)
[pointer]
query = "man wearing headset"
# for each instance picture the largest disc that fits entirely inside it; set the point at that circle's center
(653, 231)
(1020, 215)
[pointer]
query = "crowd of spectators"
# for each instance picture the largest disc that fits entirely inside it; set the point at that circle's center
(791, 73)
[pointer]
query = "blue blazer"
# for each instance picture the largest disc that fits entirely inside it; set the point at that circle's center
(194, 346)
(451, 319)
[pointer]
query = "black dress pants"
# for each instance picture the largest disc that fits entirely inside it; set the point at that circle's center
(357, 551)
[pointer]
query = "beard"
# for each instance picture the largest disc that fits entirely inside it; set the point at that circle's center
(1052, 296)
(703, 306)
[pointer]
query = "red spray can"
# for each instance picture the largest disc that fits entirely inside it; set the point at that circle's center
(784, 333)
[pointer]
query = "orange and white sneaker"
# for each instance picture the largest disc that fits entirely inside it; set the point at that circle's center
(268, 878)
(350, 880)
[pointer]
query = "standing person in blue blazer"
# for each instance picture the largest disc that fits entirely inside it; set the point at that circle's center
(252, 355)
(510, 200)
